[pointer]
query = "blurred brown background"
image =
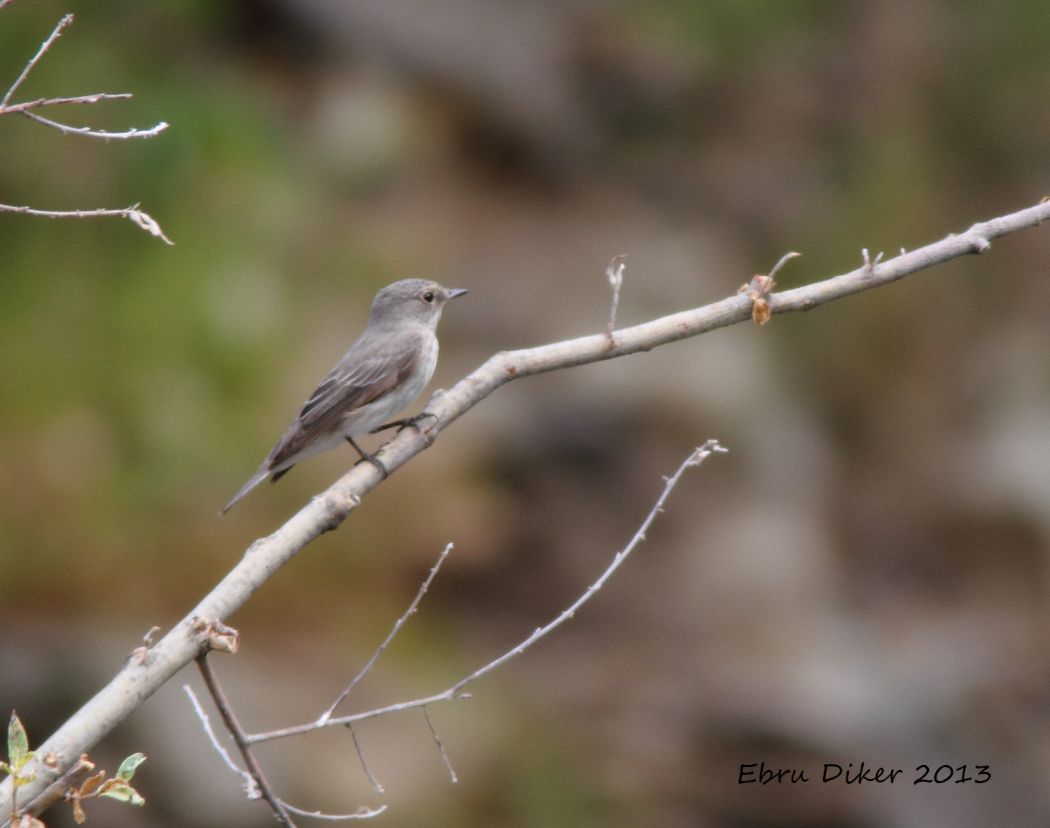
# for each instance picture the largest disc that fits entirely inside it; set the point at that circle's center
(864, 577)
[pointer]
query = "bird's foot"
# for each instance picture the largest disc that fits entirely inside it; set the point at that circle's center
(409, 422)
(369, 457)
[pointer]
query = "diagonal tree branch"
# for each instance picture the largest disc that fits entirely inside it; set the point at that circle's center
(140, 677)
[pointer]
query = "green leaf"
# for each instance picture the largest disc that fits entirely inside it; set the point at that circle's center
(123, 792)
(130, 765)
(17, 743)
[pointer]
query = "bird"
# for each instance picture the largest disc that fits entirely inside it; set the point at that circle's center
(386, 368)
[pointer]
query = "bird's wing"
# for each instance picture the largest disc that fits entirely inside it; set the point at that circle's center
(357, 380)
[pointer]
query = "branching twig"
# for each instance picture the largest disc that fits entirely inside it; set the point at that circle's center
(456, 690)
(26, 108)
(253, 781)
(112, 704)
(390, 637)
(51, 38)
(229, 718)
(248, 783)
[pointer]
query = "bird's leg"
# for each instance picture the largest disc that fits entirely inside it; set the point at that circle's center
(366, 456)
(409, 421)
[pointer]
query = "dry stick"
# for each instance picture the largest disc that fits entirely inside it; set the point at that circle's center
(696, 457)
(88, 132)
(22, 108)
(143, 220)
(441, 746)
(33, 211)
(248, 783)
(360, 813)
(139, 678)
(234, 727)
(614, 273)
(376, 786)
(51, 38)
(390, 637)
(137, 216)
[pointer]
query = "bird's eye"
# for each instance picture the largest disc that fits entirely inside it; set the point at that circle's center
(428, 297)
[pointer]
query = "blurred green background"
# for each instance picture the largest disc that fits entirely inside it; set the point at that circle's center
(864, 577)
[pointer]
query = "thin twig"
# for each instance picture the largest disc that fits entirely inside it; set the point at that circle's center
(143, 220)
(390, 637)
(614, 272)
(229, 718)
(25, 106)
(869, 263)
(696, 457)
(33, 211)
(251, 785)
(51, 38)
(360, 813)
(441, 746)
(248, 783)
(376, 786)
(783, 260)
(88, 132)
(137, 216)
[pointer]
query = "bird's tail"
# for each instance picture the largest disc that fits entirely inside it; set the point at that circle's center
(253, 481)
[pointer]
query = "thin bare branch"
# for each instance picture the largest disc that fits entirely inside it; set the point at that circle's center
(390, 637)
(137, 216)
(248, 783)
(24, 107)
(229, 718)
(33, 211)
(783, 260)
(441, 747)
(360, 813)
(51, 38)
(106, 135)
(376, 785)
(143, 220)
(614, 273)
(696, 457)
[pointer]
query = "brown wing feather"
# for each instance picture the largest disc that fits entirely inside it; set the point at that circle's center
(353, 383)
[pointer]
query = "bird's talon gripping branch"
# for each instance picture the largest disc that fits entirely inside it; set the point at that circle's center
(407, 422)
(371, 458)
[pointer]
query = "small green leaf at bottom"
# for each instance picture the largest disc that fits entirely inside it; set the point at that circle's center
(129, 766)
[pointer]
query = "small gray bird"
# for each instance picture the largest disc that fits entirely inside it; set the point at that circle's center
(385, 369)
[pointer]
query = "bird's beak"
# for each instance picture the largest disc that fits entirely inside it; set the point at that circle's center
(454, 292)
